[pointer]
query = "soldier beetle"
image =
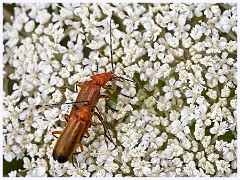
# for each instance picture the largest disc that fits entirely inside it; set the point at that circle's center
(70, 137)
(77, 127)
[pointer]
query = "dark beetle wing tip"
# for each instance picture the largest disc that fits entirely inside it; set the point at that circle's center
(58, 158)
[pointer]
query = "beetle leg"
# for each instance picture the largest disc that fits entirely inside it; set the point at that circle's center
(86, 134)
(109, 88)
(66, 117)
(107, 102)
(106, 131)
(104, 96)
(73, 162)
(81, 145)
(56, 132)
(72, 159)
(92, 123)
(78, 85)
(76, 153)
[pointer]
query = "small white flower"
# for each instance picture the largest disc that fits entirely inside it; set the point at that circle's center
(132, 21)
(188, 157)
(233, 103)
(222, 166)
(141, 167)
(220, 144)
(66, 11)
(231, 46)
(190, 168)
(173, 151)
(125, 168)
(165, 70)
(163, 104)
(212, 94)
(12, 174)
(106, 152)
(213, 77)
(111, 167)
(7, 151)
(56, 97)
(199, 133)
(100, 173)
(197, 32)
(125, 157)
(206, 141)
(186, 143)
(20, 18)
(42, 16)
(177, 129)
(137, 152)
(213, 157)
(196, 81)
(209, 168)
(228, 23)
(171, 40)
(30, 25)
(96, 44)
(170, 90)
(155, 52)
(11, 35)
(91, 25)
(219, 128)
(207, 61)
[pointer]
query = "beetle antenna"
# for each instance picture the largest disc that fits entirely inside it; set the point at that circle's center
(137, 84)
(106, 131)
(110, 25)
(57, 104)
(111, 52)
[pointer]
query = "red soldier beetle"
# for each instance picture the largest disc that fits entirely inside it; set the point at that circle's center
(71, 135)
(77, 127)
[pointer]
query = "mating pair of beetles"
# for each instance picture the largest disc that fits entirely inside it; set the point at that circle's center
(80, 117)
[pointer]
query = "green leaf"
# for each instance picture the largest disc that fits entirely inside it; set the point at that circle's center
(228, 136)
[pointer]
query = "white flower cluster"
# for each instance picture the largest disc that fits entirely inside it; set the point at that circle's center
(185, 55)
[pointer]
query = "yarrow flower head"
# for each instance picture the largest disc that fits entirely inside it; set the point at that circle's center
(172, 112)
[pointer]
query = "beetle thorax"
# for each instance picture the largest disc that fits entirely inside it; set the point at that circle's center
(103, 78)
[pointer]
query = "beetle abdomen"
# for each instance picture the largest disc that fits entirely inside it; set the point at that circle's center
(58, 158)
